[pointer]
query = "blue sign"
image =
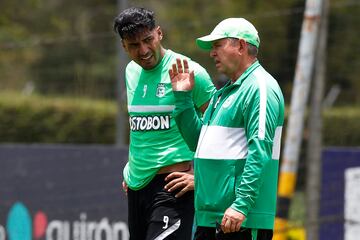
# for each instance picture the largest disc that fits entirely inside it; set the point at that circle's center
(336, 163)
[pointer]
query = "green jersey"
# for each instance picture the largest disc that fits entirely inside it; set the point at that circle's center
(155, 140)
(237, 149)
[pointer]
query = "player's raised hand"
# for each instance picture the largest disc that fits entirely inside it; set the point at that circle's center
(181, 78)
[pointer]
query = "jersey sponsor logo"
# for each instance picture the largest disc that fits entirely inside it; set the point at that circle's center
(160, 91)
(149, 123)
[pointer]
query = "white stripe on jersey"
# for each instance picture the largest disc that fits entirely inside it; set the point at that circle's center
(151, 108)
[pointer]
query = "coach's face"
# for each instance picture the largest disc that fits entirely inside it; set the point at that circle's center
(145, 48)
(225, 53)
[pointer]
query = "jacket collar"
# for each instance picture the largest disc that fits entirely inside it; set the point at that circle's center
(249, 70)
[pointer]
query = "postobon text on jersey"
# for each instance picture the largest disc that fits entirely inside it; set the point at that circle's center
(149, 123)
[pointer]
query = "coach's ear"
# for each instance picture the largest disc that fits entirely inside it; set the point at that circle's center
(242, 47)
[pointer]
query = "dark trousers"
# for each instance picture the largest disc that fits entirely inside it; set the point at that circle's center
(155, 213)
(210, 233)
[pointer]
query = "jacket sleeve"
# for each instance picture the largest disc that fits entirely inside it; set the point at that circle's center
(187, 119)
(260, 124)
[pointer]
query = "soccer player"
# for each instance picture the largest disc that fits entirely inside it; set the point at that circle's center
(158, 177)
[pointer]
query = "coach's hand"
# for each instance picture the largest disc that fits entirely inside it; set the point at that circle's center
(183, 181)
(232, 221)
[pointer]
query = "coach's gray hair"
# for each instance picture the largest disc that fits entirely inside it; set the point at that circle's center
(252, 49)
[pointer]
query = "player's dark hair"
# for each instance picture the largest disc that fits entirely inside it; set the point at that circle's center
(132, 21)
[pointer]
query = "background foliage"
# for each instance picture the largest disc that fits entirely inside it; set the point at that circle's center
(57, 47)
(27, 119)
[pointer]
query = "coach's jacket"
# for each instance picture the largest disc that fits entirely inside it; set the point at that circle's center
(237, 148)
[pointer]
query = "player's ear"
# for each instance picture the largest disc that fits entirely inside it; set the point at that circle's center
(123, 44)
(159, 32)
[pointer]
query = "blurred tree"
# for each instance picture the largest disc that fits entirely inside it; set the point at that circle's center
(79, 60)
(344, 50)
(68, 47)
(278, 23)
(15, 34)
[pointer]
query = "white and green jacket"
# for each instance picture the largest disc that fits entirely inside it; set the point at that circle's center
(237, 148)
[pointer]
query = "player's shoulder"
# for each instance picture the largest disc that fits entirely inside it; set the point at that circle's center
(200, 71)
(191, 62)
(174, 54)
(132, 65)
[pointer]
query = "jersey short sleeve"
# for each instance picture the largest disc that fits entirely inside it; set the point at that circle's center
(204, 88)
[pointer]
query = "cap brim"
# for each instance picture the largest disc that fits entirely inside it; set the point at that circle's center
(206, 41)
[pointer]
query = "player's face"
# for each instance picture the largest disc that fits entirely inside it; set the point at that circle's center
(225, 55)
(145, 48)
